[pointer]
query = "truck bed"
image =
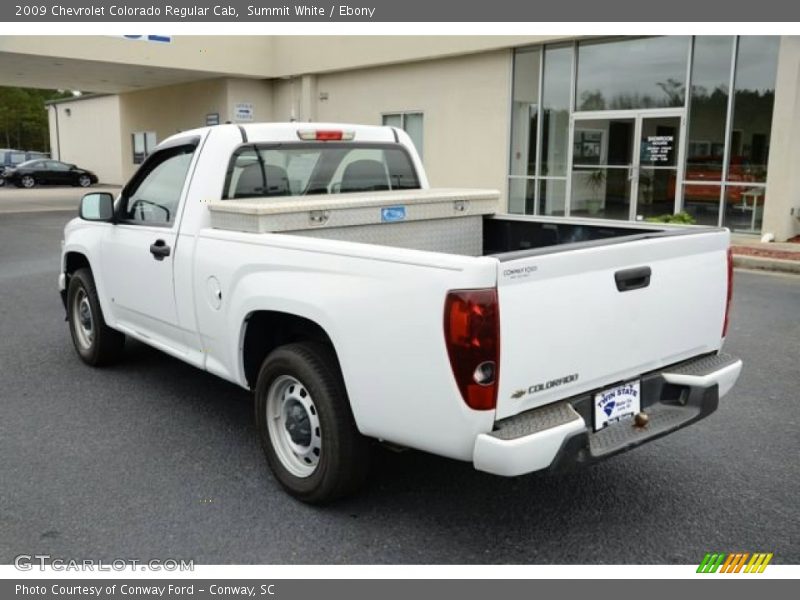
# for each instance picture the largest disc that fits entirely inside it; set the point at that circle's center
(453, 221)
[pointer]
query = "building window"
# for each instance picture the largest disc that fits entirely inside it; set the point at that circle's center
(726, 159)
(411, 123)
(144, 142)
(632, 73)
(540, 129)
(596, 128)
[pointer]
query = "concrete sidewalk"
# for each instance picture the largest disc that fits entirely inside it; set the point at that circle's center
(750, 253)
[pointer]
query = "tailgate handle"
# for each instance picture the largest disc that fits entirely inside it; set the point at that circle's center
(632, 279)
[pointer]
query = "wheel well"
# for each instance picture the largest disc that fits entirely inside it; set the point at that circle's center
(75, 261)
(267, 330)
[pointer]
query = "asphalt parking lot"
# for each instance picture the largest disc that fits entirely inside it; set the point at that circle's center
(154, 459)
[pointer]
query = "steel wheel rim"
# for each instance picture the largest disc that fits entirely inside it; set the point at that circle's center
(84, 181)
(293, 425)
(27, 182)
(83, 320)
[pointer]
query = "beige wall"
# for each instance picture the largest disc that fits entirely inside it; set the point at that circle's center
(296, 55)
(88, 135)
(245, 55)
(169, 110)
(257, 92)
(115, 64)
(783, 175)
(464, 100)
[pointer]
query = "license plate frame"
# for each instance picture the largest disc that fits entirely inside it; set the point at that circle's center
(617, 403)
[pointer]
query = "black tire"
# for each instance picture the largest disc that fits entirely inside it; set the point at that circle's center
(105, 345)
(27, 181)
(343, 460)
(84, 181)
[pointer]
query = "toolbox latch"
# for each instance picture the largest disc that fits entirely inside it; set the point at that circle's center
(319, 217)
(461, 206)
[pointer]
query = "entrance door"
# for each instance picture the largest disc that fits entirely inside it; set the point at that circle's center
(625, 165)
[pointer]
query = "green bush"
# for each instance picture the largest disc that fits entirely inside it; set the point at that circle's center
(681, 218)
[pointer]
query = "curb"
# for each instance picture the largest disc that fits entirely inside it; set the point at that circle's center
(780, 265)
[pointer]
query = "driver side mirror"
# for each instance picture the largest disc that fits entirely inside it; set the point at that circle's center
(97, 206)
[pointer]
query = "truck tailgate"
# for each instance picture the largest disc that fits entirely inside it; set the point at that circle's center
(567, 326)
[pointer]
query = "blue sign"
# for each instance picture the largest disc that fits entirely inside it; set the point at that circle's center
(163, 39)
(391, 214)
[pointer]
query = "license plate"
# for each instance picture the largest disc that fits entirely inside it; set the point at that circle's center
(617, 403)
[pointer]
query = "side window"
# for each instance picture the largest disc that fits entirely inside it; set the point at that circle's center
(155, 194)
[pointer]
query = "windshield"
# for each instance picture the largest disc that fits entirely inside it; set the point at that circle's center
(318, 168)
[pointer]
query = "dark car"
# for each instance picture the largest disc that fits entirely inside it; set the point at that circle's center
(48, 172)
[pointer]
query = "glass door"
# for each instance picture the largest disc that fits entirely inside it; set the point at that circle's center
(625, 165)
(603, 152)
(656, 176)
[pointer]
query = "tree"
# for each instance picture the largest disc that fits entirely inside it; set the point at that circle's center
(23, 117)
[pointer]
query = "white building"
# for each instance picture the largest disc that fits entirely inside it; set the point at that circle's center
(620, 128)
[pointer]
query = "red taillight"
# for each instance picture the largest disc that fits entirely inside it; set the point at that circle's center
(325, 135)
(730, 293)
(472, 335)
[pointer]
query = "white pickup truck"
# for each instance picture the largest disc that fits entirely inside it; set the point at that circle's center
(313, 265)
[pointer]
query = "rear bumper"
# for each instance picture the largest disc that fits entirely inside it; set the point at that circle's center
(560, 436)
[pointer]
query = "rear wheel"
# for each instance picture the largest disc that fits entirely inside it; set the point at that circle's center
(27, 181)
(96, 343)
(306, 426)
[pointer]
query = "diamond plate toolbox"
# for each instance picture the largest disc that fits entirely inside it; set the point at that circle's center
(294, 214)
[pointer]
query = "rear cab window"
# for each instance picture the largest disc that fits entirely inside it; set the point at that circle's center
(301, 169)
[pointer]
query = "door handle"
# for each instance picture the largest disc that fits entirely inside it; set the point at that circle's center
(159, 249)
(632, 279)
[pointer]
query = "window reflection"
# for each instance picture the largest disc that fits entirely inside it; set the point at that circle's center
(709, 104)
(555, 104)
(752, 107)
(702, 202)
(525, 112)
(644, 73)
(552, 197)
(632, 73)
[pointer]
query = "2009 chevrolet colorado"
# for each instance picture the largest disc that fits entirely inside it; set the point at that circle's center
(312, 264)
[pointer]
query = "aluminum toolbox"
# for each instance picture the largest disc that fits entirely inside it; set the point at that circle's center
(440, 220)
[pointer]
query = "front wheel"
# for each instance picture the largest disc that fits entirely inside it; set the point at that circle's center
(306, 426)
(28, 181)
(96, 343)
(84, 181)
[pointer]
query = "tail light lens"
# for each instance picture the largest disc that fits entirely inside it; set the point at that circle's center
(472, 335)
(730, 293)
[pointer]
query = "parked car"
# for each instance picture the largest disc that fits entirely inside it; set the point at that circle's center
(313, 265)
(10, 158)
(48, 172)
